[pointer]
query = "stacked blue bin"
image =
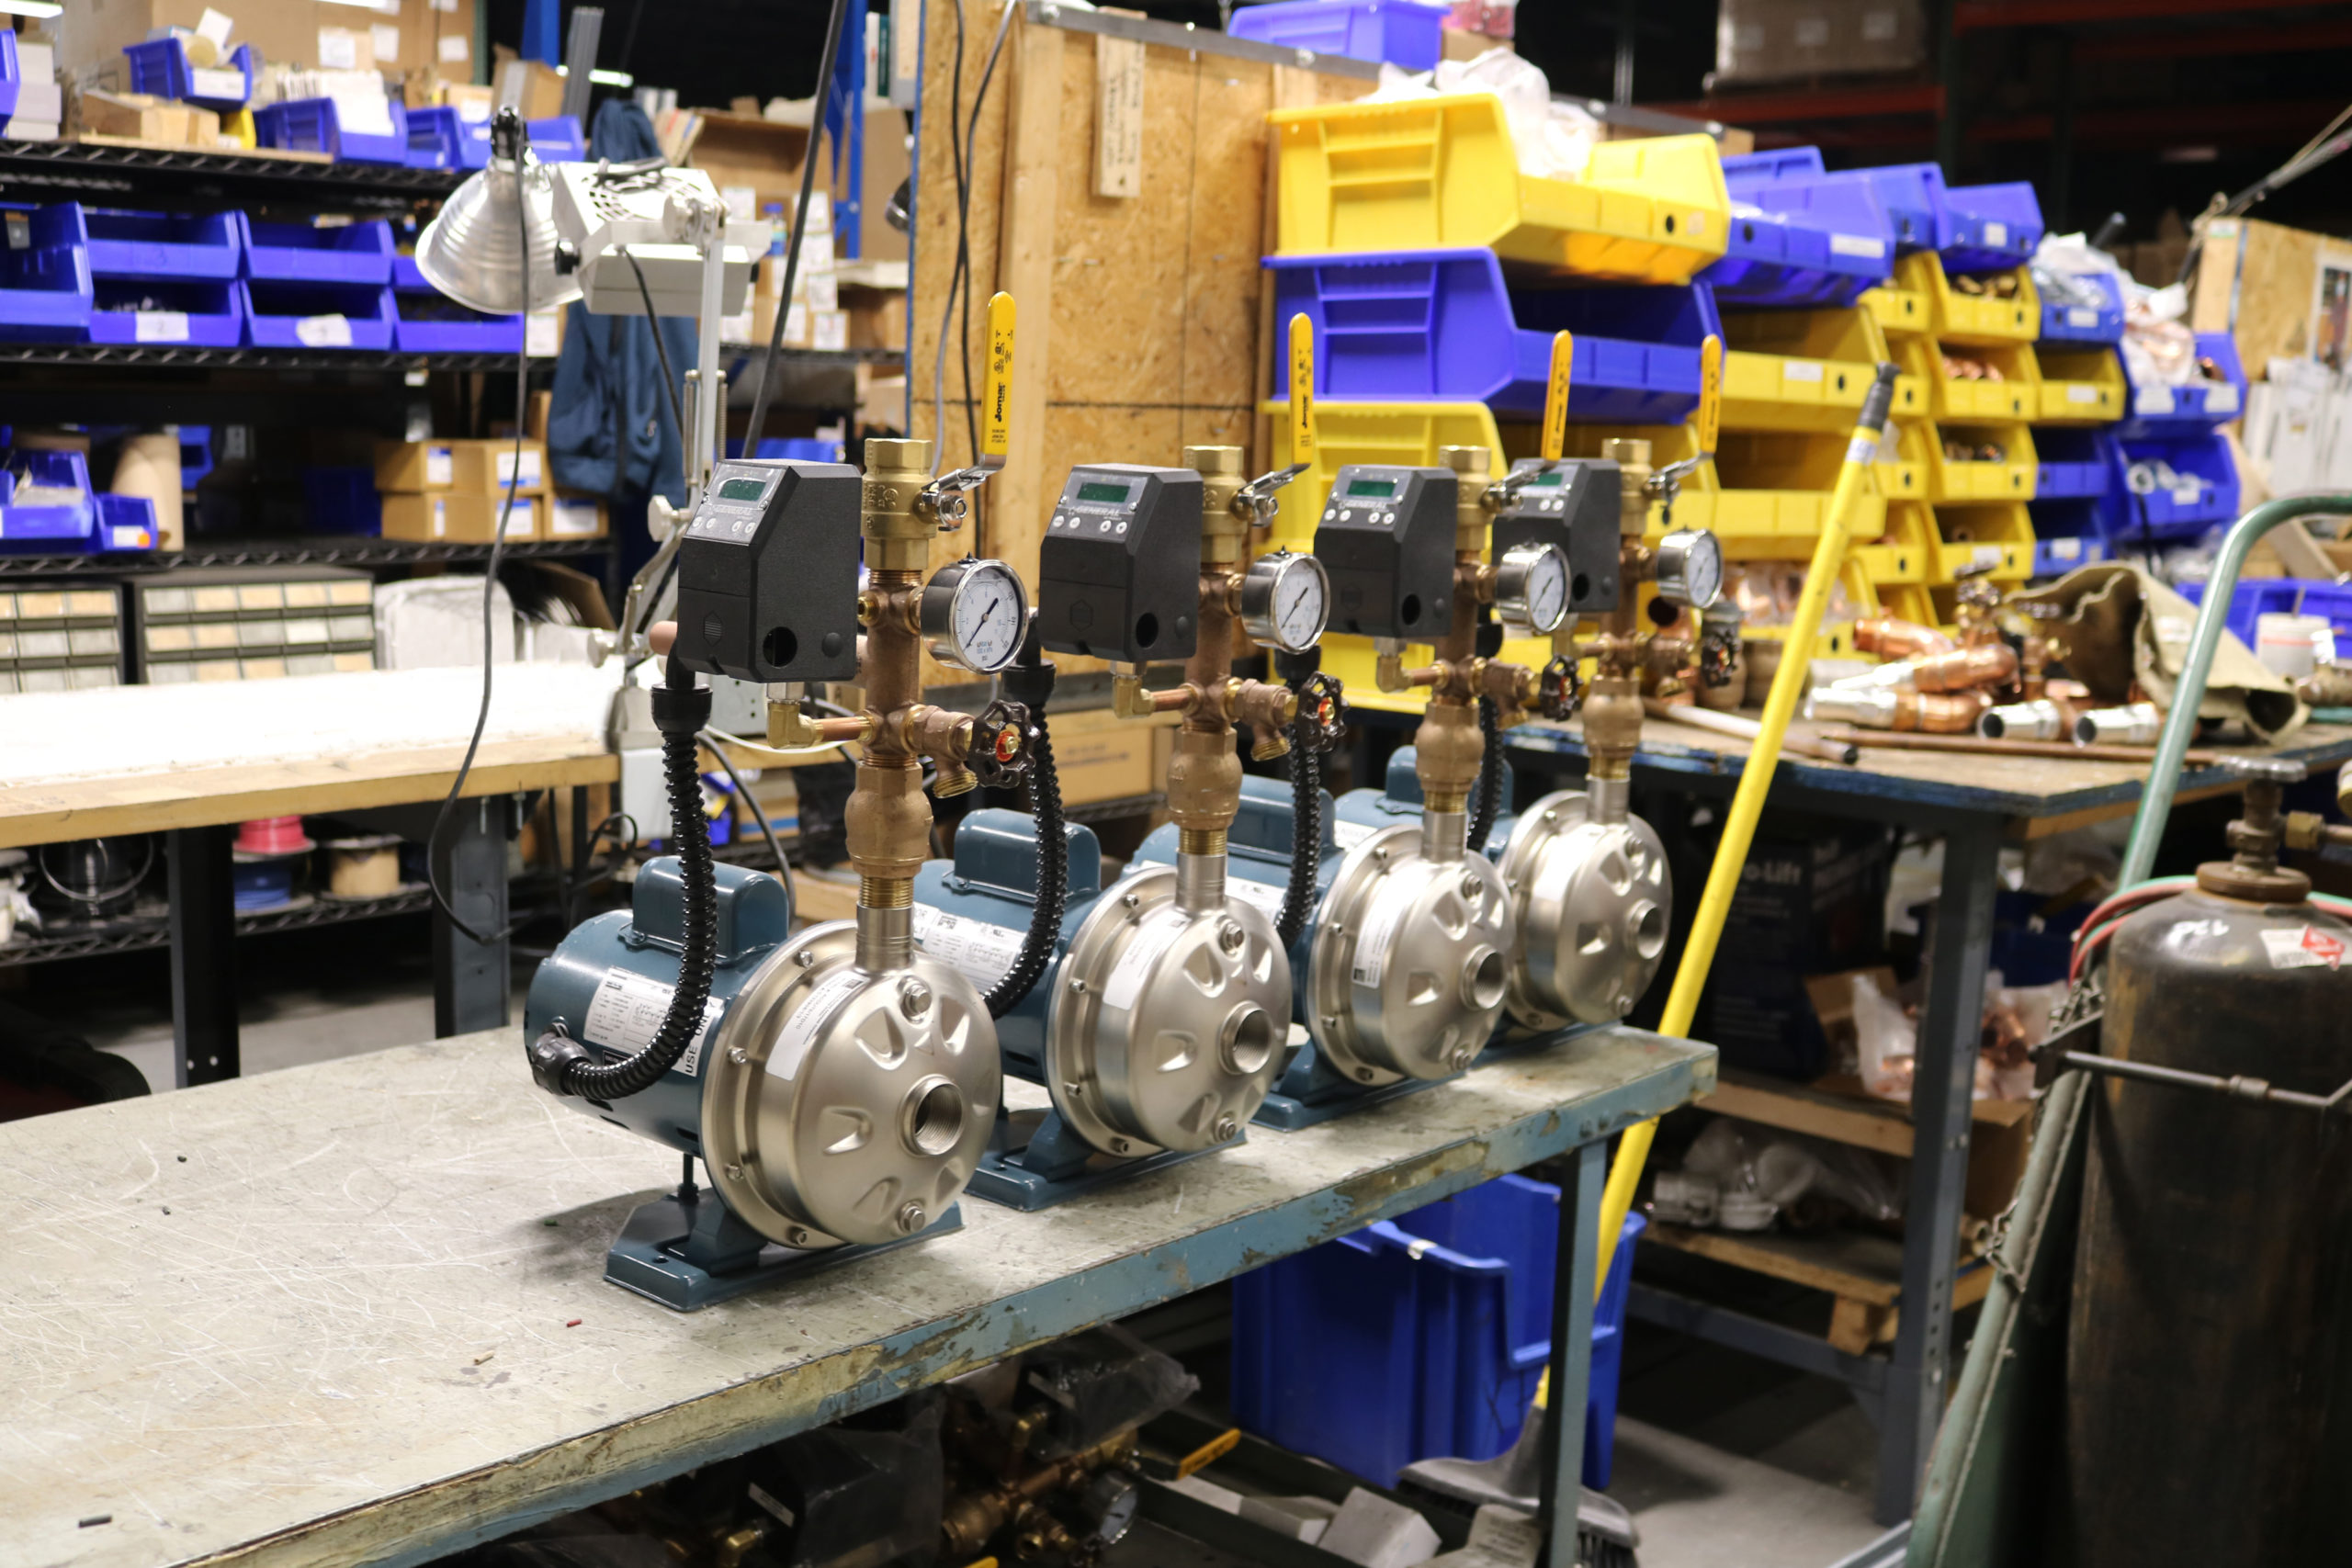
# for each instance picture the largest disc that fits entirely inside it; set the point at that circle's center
(2178, 429)
(1421, 1337)
(429, 321)
(165, 279)
(315, 125)
(443, 138)
(161, 66)
(1407, 33)
(1988, 227)
(47, 507)
(2079, 502)
(44, 275)
(1799, 235)
(313, 286)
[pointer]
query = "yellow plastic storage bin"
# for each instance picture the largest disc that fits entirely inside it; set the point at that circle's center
(1956, 397)
(1440, 173)
(1912, 601)
(1899, 311)
(1957, 316)
(1951, 479)
(2080, 385)
(1999, 535)
(1764, 497)
(1807, 370)
(1903, 460)
(1909, 551)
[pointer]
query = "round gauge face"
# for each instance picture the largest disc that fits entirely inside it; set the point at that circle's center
(1547, 590)
(990, 615)
(1703, 567)
(1301, 605)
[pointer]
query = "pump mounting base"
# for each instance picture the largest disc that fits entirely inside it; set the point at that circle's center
(1312, 1092)
(1033, 1164)
(651, 1256)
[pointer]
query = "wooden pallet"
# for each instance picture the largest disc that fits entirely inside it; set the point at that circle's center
(1861, 1272)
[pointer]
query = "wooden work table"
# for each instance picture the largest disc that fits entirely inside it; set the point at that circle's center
(354, 1312)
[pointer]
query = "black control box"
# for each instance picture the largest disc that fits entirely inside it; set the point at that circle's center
(767, 573)
(1386, 540)
(1574, 506)
(1119, 569)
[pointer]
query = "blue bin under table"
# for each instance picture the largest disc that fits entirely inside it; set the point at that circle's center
(1409, 33)
(44, 275)
(431, 322)
(2206, 492)
(1421, 1337)
(2153, 409)
(1989, 228)
(1799, 236)
(2072, 533)
(2073, 462)
(1406, 326)
(303, 253)
(2069, 321)
(62, 522)
(188, 313)
(313, 315)
(315, 125)
(164, 244)
(2256, 597)
(161, 66)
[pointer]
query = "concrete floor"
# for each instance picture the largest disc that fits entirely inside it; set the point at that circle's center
(1726, 1462)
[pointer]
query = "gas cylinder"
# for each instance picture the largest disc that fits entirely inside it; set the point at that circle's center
(2206, 1416)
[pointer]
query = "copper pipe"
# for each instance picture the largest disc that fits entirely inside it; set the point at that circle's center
(1977, 745)
(1953, 714)
(1889, 636)
(1965, 668)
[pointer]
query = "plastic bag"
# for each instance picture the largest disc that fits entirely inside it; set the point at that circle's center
(1551, 140)
(1757, 1173)
(1101, 1382)
(1886, 1043)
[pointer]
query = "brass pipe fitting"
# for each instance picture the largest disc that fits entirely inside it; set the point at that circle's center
(1511, 688)
(888, 821)
(1965, 668)
(896, 521)
(1473, 476)
(1203, 779)
(1448, 753)
(1225, 532)
(1612, 725)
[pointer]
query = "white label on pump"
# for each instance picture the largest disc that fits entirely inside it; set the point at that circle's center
(159, 326)
(1867, 245)
(1348, 835)
(1372, 943)
(1152, 936)
(1266, 896)
(627, 1013)
(1801, 370)
(800, 1031)
(981, 951)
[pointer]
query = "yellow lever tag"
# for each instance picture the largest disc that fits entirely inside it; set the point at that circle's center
(996, 428)
(1302, 389)
(1556, 396)
(1708, 421)
(1208, 1454)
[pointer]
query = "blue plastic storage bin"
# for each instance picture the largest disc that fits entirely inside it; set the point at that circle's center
(314, 125)
(299, 252)
(190, 312)
(60, 528)
(161, 66)
(343, 501)
(12, 75)
(790, 448)
(2193, 410)
(441, 138)
(44, 281)
(2065, 321)
(163, 244)
(2072, 533)
(558, 139)
(125, 522)
(1410, 33)
(301, 315)
(2075, 462)
(2187, 513)
(2283, 596)
(1989, 228)
(196, 454)
(429, 321)
(1422, 1336)
(1912, 195)
(1417, 325)
(1823, 240)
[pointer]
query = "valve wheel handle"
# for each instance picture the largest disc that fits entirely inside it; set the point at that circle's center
(1558, 690)
(1718, 650)
(1000, 747)
(1322, 702)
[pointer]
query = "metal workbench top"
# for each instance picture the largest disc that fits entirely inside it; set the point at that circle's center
(327, 1315)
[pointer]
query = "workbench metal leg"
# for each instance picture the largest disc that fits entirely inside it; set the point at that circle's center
(1941, 1096)
(469, 978)
(204, 955)
(1575, 1268)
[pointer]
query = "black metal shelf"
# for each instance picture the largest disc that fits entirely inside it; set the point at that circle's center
(141, 934)
(182, 356)
(204, 175)
(325, 551)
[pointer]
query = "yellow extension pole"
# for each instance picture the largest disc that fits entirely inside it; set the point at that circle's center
(1755, 782)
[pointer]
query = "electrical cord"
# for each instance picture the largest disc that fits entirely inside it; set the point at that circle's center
(800, 223)
(1030, 681)
(660, 350)
(962, 137)
(1305, 827)
(1489, 798)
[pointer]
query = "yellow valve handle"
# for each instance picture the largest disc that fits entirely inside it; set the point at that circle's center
(1556, 396)
(1755, 778)
(1208, 1454)
(1302, 389)
(996, 427)
(1707, 421)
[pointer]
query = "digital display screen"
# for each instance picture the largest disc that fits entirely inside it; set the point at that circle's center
(742, 489)
(1385, 489)
(1102, 489)
(1548, 482)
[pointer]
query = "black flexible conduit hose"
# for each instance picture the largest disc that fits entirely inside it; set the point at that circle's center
(563, 1066)
(1305, 827)
(1030, 681)
(1490, 777)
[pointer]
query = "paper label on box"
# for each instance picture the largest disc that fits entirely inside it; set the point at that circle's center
(528, 467)
(1878, 27)
(323, 331)
(542, 334)
(1858, 245)
(521, 520)
(338, 48)
(1800, 370)
(819, 291)
(829, 330)
(2221, 398)
(1996, 233)
(159, 326)
(627, 1012)
(449, 6)
(211, 81)
(2080, 392)
(1152, 937)
(574, 520)
(1812, 32)
(2081, 316)
(21, 231)
(385, 40)
(440, 467)
(981, 951)
(741, 201)
(454, 49)
(440, 518)
(215, 27)
(800, 1031)
(2154, 400)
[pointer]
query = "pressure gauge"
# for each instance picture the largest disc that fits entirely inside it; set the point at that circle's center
(1531, 588)
(1691, 568)
(1285, 599)
(974, 615)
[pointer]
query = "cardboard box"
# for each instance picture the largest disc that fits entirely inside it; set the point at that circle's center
(414, 467)
(92, 34)
(1811, 900)
(576, 517)
(878, 317)
(460, 518)
(143, 118)
(530, 85)
(1103, 757)
(485, 467)
(1787, 40)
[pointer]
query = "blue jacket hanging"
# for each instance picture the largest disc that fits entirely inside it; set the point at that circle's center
(609, 426)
